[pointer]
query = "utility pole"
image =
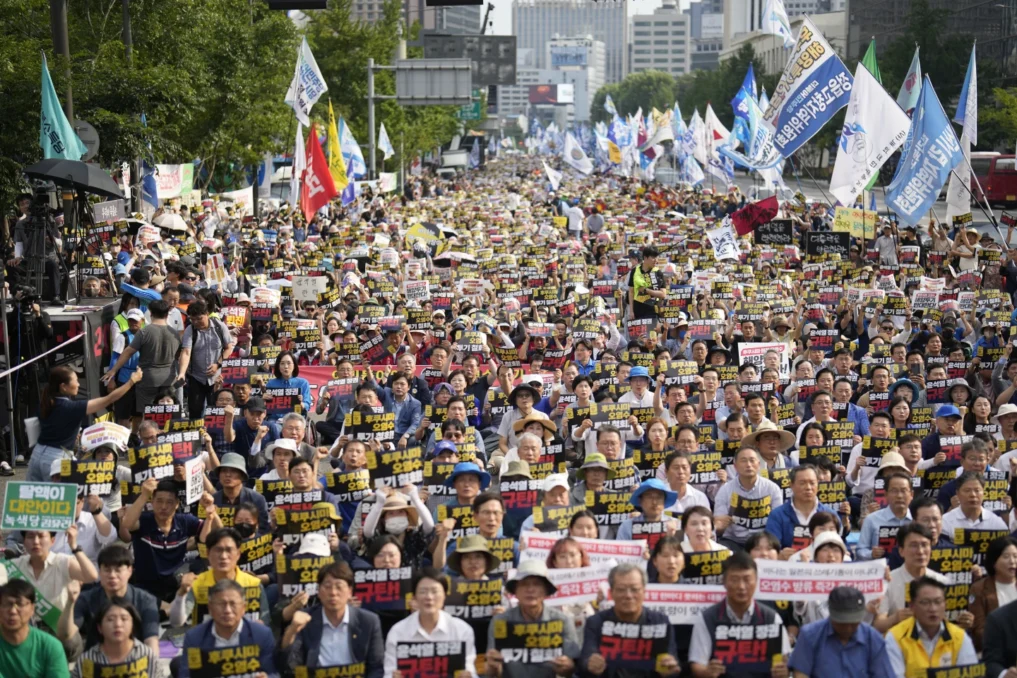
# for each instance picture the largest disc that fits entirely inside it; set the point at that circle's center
(370, 116)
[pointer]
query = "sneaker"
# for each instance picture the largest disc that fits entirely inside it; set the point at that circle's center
(5, 469)
(20, 460)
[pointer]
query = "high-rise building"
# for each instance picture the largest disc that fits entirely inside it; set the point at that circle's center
(575, 61)
(745, 16)
(462, 20)
(993, 24)
(661, 41)
(536, 22)
(706, 29)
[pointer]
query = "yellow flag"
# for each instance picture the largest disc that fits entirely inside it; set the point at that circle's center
(613, 153)
(336, 166)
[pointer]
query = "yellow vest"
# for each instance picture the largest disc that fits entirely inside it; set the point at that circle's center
(916, 661)
(206, 580)
(640, 283)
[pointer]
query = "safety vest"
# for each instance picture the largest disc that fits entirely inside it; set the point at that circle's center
(640, 283)
(916, 661)
(121, 320)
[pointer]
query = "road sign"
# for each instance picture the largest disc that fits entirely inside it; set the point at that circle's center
(493, 57)
(39, 506)
(433, 82)
(470, 111)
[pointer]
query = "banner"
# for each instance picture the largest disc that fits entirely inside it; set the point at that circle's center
(682, 603)
(755, 353)
(317, 187)
(576, 585)
(39, 506)
(575, 156)
(537, 546)
(931, 152)
(782, 580)
(56, 134)
(172, 181)
(725, 246)
(814, 86)
(874, 128)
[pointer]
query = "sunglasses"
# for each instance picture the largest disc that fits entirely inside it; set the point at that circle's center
(191, 277)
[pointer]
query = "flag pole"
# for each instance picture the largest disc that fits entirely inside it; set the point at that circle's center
(990, 217)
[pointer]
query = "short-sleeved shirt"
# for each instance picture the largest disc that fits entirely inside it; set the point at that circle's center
(158, 555)
(91, 600)
(156, 345)
(244, 437)
(40, 655)
(61, 427)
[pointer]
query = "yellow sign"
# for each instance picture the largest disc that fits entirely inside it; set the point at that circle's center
(850, 220)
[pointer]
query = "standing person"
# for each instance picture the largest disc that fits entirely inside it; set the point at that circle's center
(24, 650)
(738, 607)
(531, 586)
(430, 623)
(334, 632)
(227, 628)
(841, 646)
(997, 588)
(640, 283)
(134, 320)
(61, 416)
(925, 640)
(628, 589)
(118, 627)
(158, 344)
(206, 343)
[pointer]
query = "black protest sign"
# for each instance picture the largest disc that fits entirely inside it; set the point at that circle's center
(380, 588)
(748, 648)
(161, 414)
(554, 518)
(704, 567)
(751, 514)
(281, 494)
(299, 574)
(610, 508)
(292, 525)
(396, 468)
(352, 486)
(633, 646)
(367, 426)
(436, 659)
(91, 477)
(466, 523)
(529, 642)
(827, 243)
(471, 600)
(149, 461)
(225, 662)
(776, 232)
(282, 401)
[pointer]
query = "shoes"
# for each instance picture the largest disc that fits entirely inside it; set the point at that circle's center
(20, 459)
(5, 469)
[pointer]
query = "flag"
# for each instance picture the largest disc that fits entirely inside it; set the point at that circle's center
(931, 152)
(613, 152)
(318, 187)
(874, 128)
(967, 106)
(265, 176)
(56, 135)
(715, 130)
(384, 144)
(721, 168)
(740, 105)
(691, 171)
(774, 20)
(307, 85)
(764, 101)
(149, 190)
(698, 131)
(299, 165)
(755, 214)
(352, 155)
(609, 105)
(958, 196)
(575, 156)
(807, 96)
(760, 152)
(475, 153)
(349, 193)
(907, 98)
(336, 165)
(554, 176)
(869, 61)
(725, 245)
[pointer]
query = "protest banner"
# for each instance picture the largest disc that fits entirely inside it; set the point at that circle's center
(755, 353)
(352, 486)
(396, 468)
(224, 662)
(91, 477)
(704, 568)
(783, 580)
(634, 646)
(469, 599)
(299, 574)
(39, 506)
(139, 668)
(575, 585)
(383, 588)
(527, 642)
(537, 546)
(424, 659)
(322, 519)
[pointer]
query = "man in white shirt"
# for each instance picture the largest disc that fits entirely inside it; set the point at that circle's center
(431, 626)
(970, 515)
(94, 529)
(640, 395)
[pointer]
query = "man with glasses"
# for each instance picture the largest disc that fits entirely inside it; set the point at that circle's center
(895, 515)
(25, 650)
(926, 640)
(925, 511)
(227, 628)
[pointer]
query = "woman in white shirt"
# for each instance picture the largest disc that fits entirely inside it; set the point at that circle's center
(697, 526)
(430, 624)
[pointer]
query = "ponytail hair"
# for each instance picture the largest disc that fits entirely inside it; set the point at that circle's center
(58, 376)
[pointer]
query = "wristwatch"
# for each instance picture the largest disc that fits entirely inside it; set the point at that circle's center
(96, 512)
(76, 550)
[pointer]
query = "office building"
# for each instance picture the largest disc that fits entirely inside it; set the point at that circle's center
(536, 22)
(661, 41)
(770, 50)
(745, 16)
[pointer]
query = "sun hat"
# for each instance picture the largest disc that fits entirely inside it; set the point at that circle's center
(315, 544)
(595, 460)
(653, 484)
(281, 443)
(892, 460)
(638, 371)
(473, 543)
(467, 467)
(527, 569)
(397, 501)
(787, 439)
(534, 393)
(534, 418)
(234, 461)
(518, 467)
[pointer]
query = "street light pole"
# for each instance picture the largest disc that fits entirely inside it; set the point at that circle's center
(61, 45)
(370, 115)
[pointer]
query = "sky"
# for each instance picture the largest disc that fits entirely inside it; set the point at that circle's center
(501, 15)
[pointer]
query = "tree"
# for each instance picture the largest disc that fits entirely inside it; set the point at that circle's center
(645, 90)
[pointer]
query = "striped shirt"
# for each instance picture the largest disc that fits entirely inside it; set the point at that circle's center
(96, 657)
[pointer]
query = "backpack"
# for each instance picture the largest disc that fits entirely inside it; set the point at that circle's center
(217, 325)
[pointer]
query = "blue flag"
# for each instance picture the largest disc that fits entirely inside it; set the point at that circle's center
(930, 153)
(349, 193)
(149, 189)
(56, 135)
(475, 154)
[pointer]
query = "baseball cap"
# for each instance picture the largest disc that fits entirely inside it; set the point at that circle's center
(256, 404)
(847, 605)
(948, 411)
(135, 314)
(554, 480)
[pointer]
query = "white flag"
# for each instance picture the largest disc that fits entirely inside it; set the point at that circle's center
(774, 20)
(384, 144)
(907, 98)
(698, 131)
(874, 128)
(307, 85)
(352, 155)
(958, 198)
(553, 175)
(299, 165)
(725, 244)
(716, 133)
(967, 106)
(575, 156)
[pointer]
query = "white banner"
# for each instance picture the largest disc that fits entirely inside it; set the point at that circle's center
(104, 433)
(243, 200)
(169, 181)
(387, 182)
(754, 352)
(682, 603)
(725, 245)
(537, 546)
(308, 287)
(575, 585)
(783, 580)
(307, 85)
(194, 474)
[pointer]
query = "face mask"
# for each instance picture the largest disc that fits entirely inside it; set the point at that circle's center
(246, 531)
(397, 525)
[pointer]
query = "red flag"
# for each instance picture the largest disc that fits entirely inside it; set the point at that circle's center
(755, 214)
(317, 188)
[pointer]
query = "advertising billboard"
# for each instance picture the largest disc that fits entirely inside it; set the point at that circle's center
(552, 94)
(493, 56)
(573, 55)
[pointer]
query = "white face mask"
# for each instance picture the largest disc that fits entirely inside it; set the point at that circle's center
(397, 525)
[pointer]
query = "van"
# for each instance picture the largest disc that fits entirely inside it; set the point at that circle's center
(997, 175)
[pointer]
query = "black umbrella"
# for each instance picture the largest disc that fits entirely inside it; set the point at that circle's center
(75, 174)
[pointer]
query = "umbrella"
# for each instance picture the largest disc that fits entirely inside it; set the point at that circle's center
(170, 221)
(75, 174)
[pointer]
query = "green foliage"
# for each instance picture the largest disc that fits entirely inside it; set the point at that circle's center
(646, 90)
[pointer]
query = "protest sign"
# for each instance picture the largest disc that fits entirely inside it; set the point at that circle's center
(39, 506)
(537, 546)
(783, 580)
